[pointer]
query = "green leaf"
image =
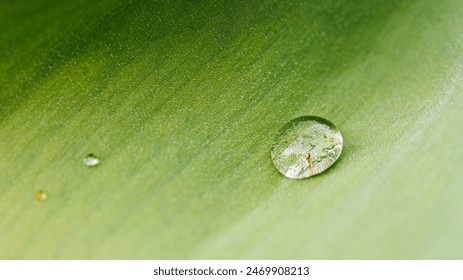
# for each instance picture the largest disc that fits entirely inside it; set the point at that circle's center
(181, 100)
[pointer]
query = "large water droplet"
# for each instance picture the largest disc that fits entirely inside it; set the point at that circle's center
(306, 146)
(41, 196)
(91, 160)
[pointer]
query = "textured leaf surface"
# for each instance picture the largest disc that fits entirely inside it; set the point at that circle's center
(181, 102)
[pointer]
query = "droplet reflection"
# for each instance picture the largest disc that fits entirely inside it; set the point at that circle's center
(306, 146)
(41, 196)
(91, 160)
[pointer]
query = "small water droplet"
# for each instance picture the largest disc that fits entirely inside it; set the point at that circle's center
(306, 146)
(91, 160)
(41, 196)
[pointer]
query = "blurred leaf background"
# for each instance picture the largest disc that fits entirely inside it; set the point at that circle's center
(181, 99)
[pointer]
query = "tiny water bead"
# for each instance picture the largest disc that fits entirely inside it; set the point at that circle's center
(41, 196)
(306, 146)
(91, 160)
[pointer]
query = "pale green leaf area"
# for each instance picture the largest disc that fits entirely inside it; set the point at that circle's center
(181, 100)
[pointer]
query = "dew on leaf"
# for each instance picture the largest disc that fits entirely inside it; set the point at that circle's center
(306, 146)
(91, 160)
(41, 196)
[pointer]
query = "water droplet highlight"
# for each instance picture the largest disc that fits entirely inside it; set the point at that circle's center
(41, 196)
(91, 160)
(306, 146)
